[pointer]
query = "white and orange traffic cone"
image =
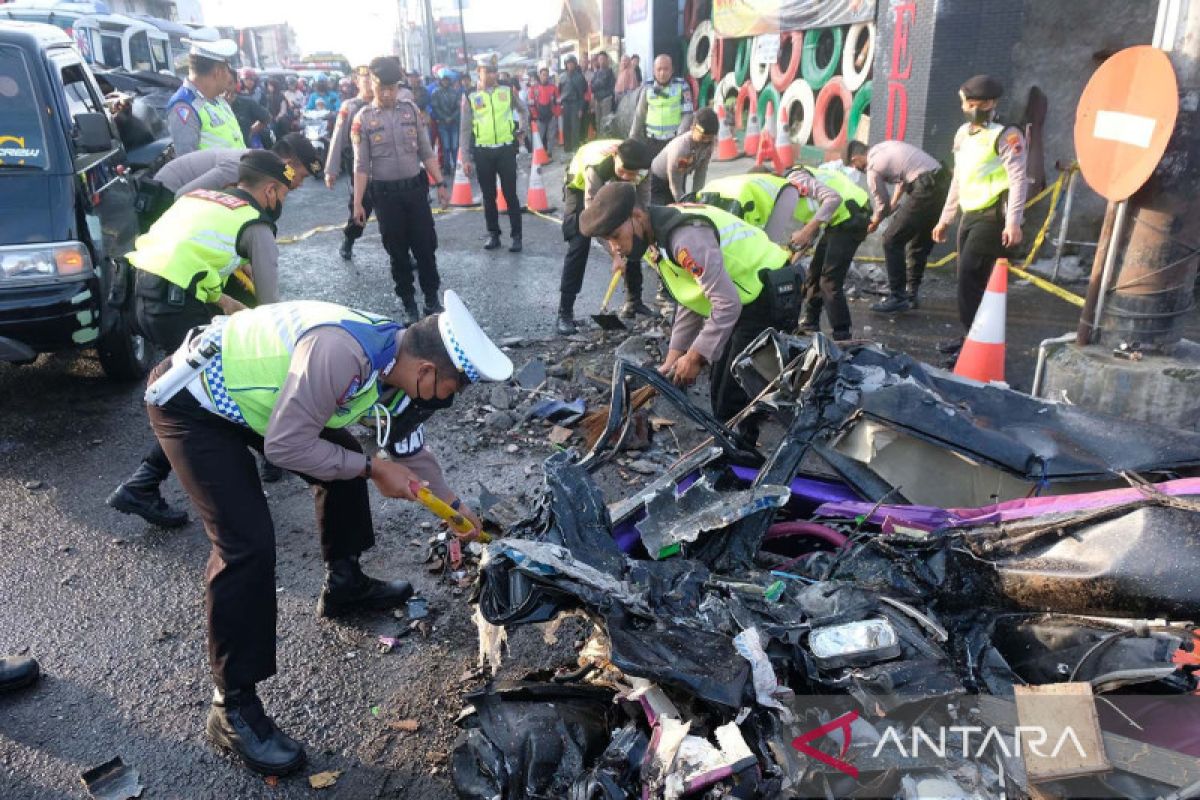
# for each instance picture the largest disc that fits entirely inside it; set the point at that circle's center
(501, 202)
(460, 195)
(726, 146)
(560, 133)
(540, 157)
(785, 154)
(753, 132)
(982, 354)
(766, 143)
(535, 199)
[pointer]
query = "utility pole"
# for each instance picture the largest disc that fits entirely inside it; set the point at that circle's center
(1158, 248)
(462, 29)
(429, 35)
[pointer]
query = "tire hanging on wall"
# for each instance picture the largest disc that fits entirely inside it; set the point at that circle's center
(858, 107)
(781, 78)
(799, 93)
(767, 96)
(700, 49)
(748, 95)
(695, 87)
(741, 64)
(760, 75)
(853, 76)
(835, 89)
(817, 75)
(716, 57)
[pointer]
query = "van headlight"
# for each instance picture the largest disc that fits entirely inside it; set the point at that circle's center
(864, 642)
(44, 261)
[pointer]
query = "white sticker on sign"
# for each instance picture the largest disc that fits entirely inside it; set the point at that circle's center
(766, 49)
(1117, 126)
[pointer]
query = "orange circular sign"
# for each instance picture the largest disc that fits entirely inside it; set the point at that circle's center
(1124, 120)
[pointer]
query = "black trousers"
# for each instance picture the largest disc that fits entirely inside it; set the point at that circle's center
(491, 162)
(725, 393)
(909, 240)
(825, 285)
(406, 224)
(218, 472)
(353, 231)
(578, 249)
(979, 246)
(660, 192)
(572, 121)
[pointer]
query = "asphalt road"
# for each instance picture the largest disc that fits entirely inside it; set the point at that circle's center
(113, 608)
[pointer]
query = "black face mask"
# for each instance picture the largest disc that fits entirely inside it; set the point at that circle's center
(979, 116)
(639, 249)
(434, 403)
(274, 212)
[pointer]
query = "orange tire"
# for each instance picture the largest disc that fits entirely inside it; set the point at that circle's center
(781, 79)
(835, 89)
(747, 98)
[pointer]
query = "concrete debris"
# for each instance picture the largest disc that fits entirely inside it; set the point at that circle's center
(113, 780)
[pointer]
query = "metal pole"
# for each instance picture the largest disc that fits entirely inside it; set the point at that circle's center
(1062, 228)
(462, 29)
(429, 36)
(1110, 259)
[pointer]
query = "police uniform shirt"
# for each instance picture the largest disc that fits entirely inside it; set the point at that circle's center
(695, 247)
(183, 121)
(466, 127)
(390, 144)
(638, 129)
(811, 189)
(682, 157)
(1011, 149)
(341, 135)
(214, 169)
(894, 162)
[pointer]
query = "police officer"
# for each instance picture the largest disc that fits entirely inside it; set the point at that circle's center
(390, 145)
(488, 131)
(182, 265)
(594, 165)
(198, 116)
(686, 154)
(218, 168)
(831, 206)
(342, 155)
(289, 380)
(730, 281)
(664, 107)
(989, 187)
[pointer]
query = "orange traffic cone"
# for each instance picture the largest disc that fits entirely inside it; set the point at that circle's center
(982, 354)
(535, 199)
(501, 202)
(460, 195)
(753, 132)
(726, 146)
(540, 157)
(785, 155)
(766, 143)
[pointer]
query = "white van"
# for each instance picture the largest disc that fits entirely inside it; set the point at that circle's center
(108, 40)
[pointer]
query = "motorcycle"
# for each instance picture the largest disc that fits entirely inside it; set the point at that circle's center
(317, 124)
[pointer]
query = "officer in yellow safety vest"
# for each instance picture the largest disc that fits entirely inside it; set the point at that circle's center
(664, 108)
(989, 187)
(181, 267)
(198, 116)
(489, 132)
(290, 379)
(730, 281)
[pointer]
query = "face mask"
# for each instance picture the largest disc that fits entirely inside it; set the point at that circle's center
(639, 249)
(434, 403)
(273, 213)
(979, 116)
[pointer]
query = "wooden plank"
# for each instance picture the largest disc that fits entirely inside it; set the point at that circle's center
(1073, 744)
(1127, 755)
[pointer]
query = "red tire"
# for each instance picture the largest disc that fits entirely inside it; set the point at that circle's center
(781, 79)
(835, 89)
(747, 98)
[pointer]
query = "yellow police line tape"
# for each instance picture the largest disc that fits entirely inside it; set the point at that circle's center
(1053, 191)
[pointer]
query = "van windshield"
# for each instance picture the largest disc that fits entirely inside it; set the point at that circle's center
(22, 127)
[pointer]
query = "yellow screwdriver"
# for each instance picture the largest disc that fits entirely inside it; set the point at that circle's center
(457, 522)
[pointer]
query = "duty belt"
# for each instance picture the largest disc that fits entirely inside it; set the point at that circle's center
(417, 181)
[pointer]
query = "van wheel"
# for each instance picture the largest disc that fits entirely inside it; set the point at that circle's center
(124, 355)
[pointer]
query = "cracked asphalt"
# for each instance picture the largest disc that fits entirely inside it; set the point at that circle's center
(113, 608)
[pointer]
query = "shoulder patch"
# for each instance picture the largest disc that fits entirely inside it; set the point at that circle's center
(183, 111)
(1014, 142)
(356, 130)
(687, 262)
(221, 198)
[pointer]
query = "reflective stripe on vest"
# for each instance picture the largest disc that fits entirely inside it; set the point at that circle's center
(664, 110)
(256, 355)
(218, 125)
(841, 183)
(979, 168)
(196, 236)
(750, 197)
(591, 154)
(745, 250)
(492, 116)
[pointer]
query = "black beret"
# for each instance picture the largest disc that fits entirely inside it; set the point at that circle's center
(305, 153)
(610, 208)
(981, 87)
(386, 69)
(264, 162)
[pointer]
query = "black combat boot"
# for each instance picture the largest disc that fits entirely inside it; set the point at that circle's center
(140, 495)
(493, 242)
(346, 251)
(515, 247)
(238, 723)
(17, 673)
(894, 304)
(348, 589)
(412, 314)
(913, 302)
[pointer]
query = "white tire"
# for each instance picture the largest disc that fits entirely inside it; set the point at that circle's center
(698, 67)
(800, 92)
(855, 78)
(760, 75)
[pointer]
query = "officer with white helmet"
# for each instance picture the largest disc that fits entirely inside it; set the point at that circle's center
(198, 116)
